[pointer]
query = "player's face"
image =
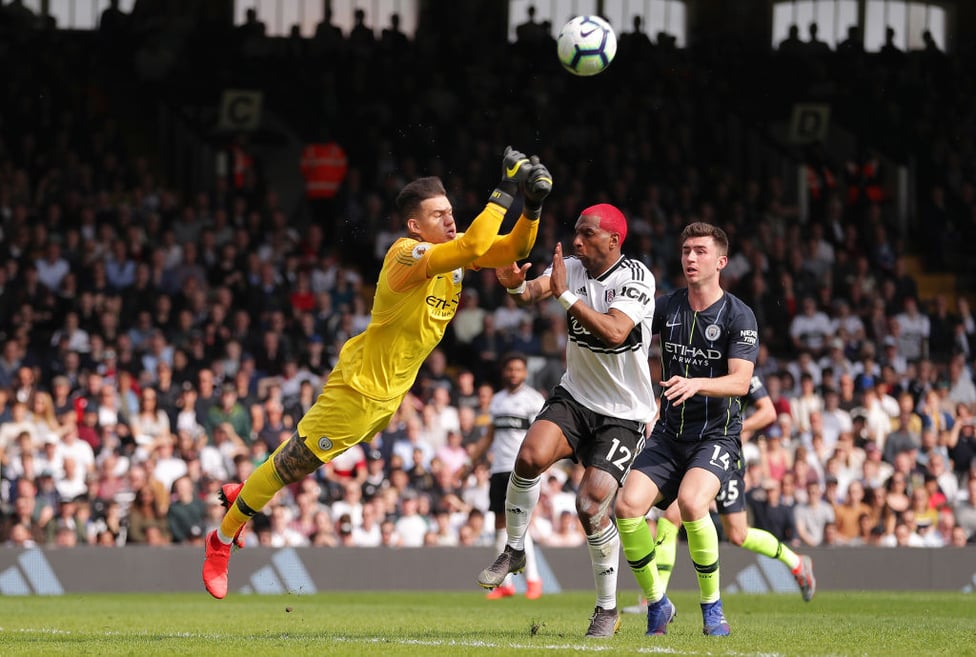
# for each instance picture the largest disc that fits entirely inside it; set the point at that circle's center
(701, 260)
(595, 247)
(434, 220)
(514, 373)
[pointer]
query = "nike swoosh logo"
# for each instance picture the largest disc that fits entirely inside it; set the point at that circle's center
(672, 324)
(513, 170)
(587, 33)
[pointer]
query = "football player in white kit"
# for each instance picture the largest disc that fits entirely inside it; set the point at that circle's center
(597, 413)
(512, 410)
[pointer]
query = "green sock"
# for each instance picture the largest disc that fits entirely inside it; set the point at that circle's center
(762, 542)
(635, 536)
(703, 547)
(667, 548)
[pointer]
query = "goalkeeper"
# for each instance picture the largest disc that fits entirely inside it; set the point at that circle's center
(417, 295)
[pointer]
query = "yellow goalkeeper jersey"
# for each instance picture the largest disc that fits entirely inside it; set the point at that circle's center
(409, 317)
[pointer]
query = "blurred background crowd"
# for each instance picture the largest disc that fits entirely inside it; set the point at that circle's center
(161, 338)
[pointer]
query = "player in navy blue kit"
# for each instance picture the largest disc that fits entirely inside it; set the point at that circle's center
(598, 412)
(731, 506)
(709, 343)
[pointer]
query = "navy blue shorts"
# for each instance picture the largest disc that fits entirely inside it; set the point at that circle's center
(732, 496)
(605, 443)
(665, 462)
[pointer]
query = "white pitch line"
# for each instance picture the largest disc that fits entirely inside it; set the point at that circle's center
(460, 643)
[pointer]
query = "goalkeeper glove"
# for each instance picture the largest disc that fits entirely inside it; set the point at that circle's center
(536, 187)
(515, 169)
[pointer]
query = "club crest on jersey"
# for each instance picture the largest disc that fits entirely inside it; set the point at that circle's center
(419, 251)
(611, 294)
(325, 444)
(712, 332)
(457, 275)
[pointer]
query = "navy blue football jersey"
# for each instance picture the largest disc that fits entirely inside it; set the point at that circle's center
(700, 344)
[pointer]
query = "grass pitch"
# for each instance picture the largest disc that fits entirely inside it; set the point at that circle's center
(835, 624)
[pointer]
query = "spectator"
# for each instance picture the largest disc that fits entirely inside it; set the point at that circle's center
(568, 532)
(807, 403)
(368, 534)
(834, 419)
(230, 410)
(20, 423)
(441, 533)
(453, 456)
(470, 317)
(410, 525)
(811, 329)
(151, 424)
(187, 513)
(145, 513)
(944, 480)
(813, 516)
(768, 512)
(965, 508)
(961, 387)
(776, 460)
(351, 504)
(411, 441)
(443, 417)
(282, 534)
(915, 328)
(849, 513)
(864, 531)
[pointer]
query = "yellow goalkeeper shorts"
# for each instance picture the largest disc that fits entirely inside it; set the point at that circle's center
(342, 417)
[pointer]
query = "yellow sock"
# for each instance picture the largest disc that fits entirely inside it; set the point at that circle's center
(258, 490)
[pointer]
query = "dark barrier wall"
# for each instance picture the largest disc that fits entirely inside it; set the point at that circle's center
(311, 570)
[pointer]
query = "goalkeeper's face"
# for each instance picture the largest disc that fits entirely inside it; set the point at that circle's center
(433, 221)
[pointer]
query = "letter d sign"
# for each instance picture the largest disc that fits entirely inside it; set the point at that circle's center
(809, 123)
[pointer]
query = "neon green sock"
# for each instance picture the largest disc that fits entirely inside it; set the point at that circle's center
(635, 536)
(667, 549)
(703, 547)
(762, 542)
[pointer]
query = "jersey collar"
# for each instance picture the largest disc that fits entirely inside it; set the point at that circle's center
(605, 275)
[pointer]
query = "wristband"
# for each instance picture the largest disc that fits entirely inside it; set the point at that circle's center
(567, 299)
(517, 290)
(502, 198)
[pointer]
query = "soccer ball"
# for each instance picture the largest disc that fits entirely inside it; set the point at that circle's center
(586, 45)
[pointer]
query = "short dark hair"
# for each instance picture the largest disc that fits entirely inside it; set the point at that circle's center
(416, 192)
(514, 355)
(704, 229)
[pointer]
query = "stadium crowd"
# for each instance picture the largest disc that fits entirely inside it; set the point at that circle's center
(158, 342)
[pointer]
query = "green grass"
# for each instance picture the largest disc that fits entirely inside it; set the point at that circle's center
(465, 624)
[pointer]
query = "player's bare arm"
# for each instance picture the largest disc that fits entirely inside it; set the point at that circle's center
(763, 415)
(513, 278)
(477, 450)
(679, 389)
(611, 327)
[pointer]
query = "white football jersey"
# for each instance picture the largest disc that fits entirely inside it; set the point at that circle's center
(511, 415)
(614, 381)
